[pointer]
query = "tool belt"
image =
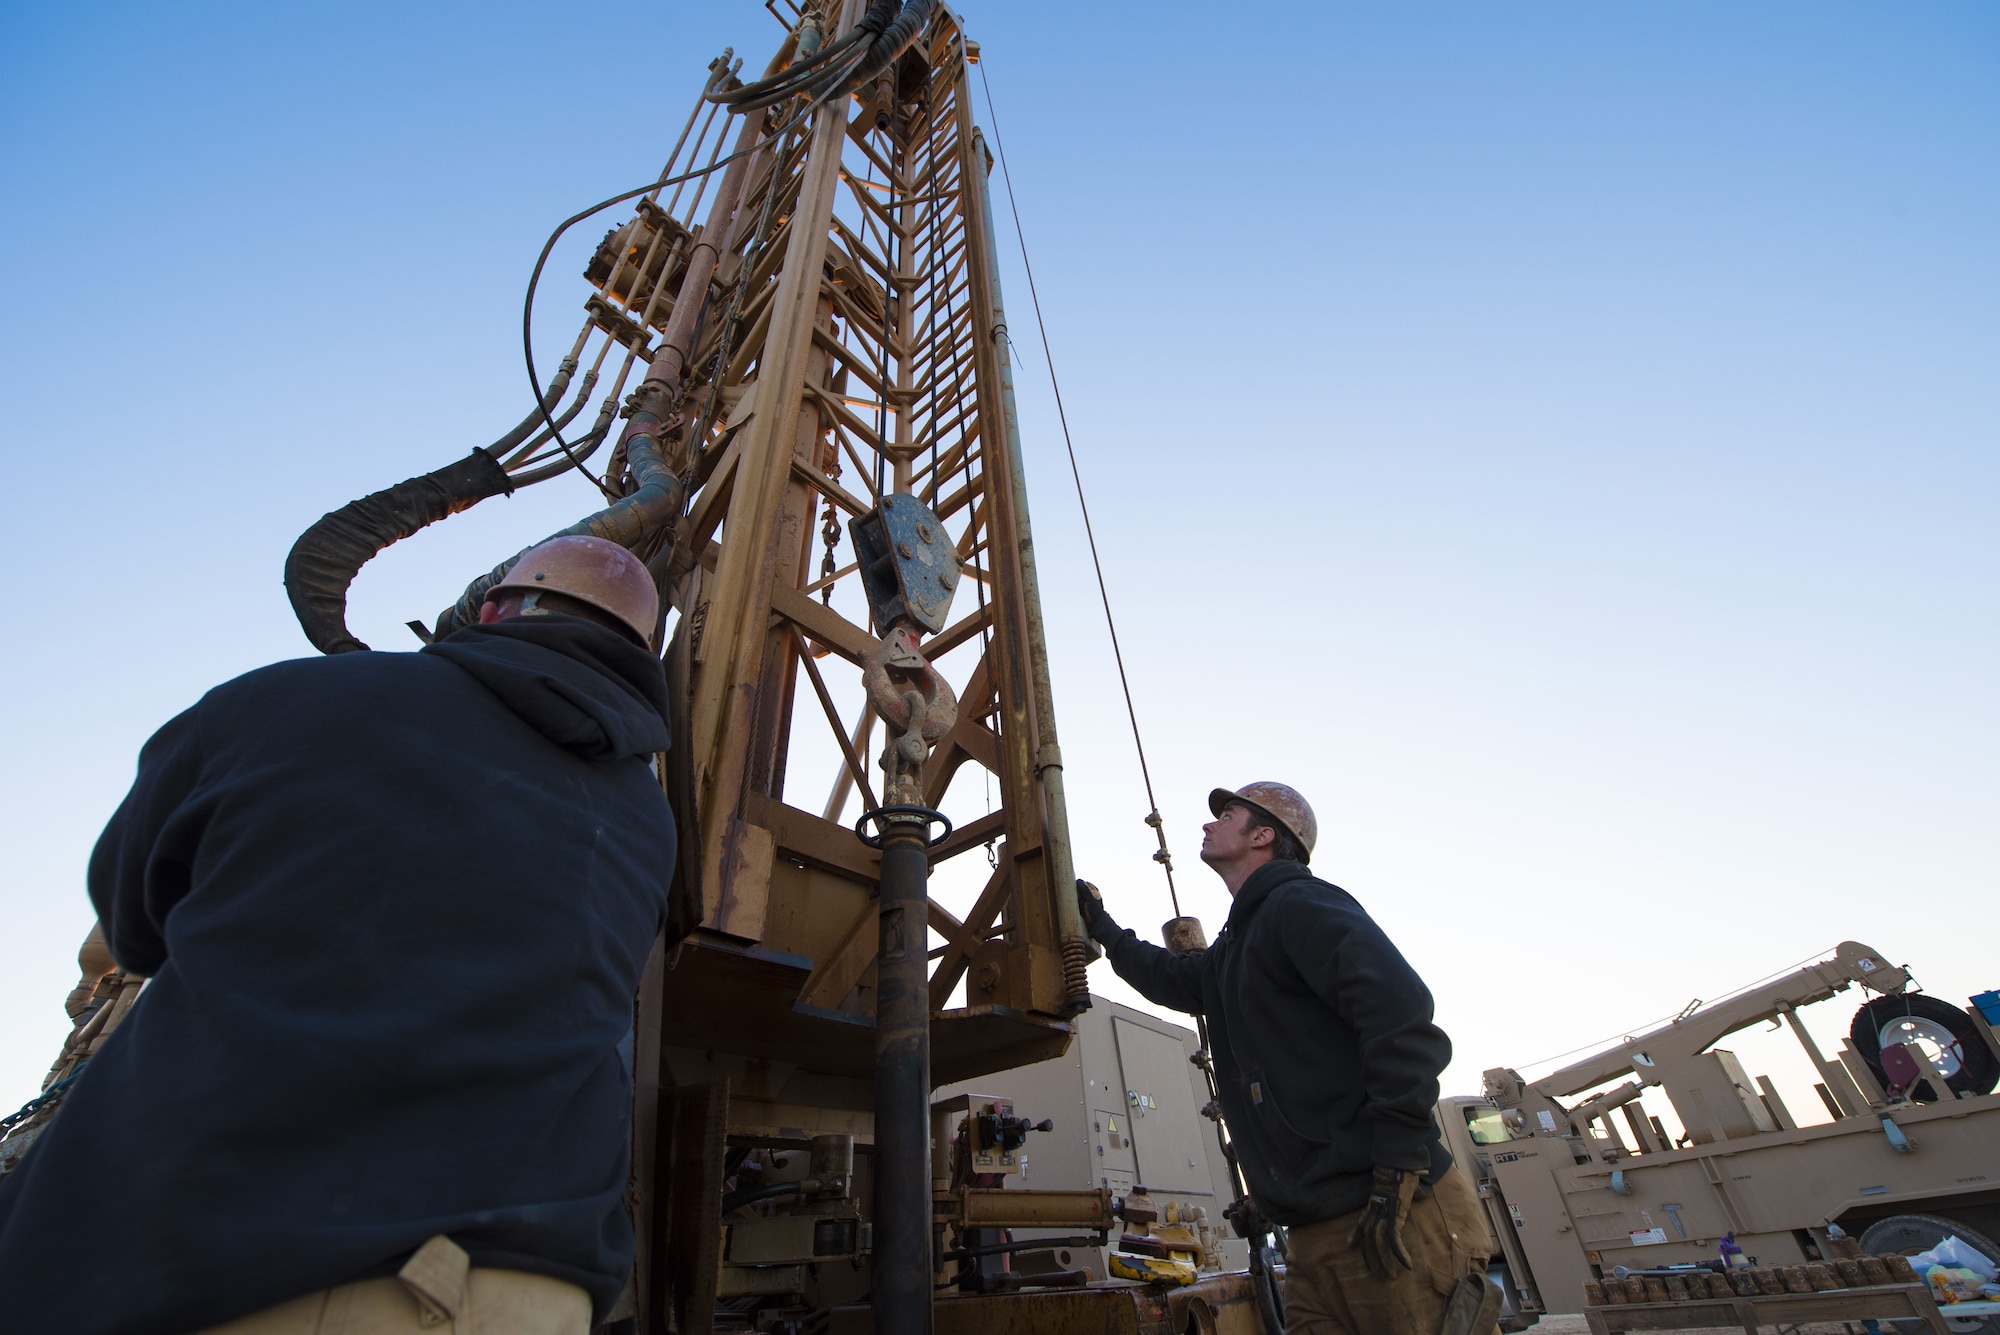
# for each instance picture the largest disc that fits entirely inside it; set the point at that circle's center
(437, 1292)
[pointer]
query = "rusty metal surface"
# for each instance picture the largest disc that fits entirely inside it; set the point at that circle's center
(1184, 934)
(685, 1300)
(902, 1197)
(1019, 1207)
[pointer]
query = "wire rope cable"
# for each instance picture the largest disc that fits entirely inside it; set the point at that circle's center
(1269, 1298)
(1163, 857)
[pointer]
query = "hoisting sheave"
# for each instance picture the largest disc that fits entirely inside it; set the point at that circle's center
(908, 568)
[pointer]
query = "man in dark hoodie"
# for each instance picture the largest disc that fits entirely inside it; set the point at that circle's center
(1327, 1063)
(394, 908)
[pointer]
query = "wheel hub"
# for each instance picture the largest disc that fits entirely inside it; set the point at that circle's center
(1927, 1036)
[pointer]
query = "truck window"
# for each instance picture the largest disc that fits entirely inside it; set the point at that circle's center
(1485, 1125)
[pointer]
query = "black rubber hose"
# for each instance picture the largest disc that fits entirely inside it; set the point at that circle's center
(750, 96)
(574, 457)
(327, 556)
(764, 92)
(794, 82)
(558, 386)
(895, 39)
(627, 522)
(543, 437)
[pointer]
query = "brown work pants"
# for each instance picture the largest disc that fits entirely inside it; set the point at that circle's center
(437, 1293)
(1329, 1292)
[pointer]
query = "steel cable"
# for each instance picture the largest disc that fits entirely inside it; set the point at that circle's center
(1270, 1300)
(1163, 856)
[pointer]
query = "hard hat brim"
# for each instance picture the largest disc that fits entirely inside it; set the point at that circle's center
(1220, 798)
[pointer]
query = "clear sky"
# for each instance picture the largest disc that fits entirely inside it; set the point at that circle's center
(1558, 438)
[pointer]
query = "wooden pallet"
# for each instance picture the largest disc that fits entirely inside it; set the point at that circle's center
(1881, 1301)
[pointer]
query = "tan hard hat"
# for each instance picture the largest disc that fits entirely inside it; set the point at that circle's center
(1280, 801)
(592, 571)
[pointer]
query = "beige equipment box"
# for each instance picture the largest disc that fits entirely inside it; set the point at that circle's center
(1126, 1102)
(1579, 1178)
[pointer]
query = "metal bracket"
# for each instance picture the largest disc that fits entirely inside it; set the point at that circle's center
(1898, 1141)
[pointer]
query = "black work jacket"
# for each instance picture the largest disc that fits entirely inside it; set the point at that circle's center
(394, 908)
(1325, 1054)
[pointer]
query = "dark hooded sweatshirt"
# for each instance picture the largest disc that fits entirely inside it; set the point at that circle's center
(1325, 1054)
(394, 908)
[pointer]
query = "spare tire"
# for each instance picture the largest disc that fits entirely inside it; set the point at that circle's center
(1919, 1019)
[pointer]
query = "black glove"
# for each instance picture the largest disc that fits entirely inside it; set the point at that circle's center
(1378, 1235)
(1097, 924)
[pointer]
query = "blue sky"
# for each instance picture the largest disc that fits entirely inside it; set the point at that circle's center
(1558, 438)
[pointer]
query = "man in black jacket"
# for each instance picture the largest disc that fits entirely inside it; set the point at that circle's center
(1327, 1063)
(394, 908)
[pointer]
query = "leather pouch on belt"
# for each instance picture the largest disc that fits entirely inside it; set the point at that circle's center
(1474, 1307)
(435, 1275)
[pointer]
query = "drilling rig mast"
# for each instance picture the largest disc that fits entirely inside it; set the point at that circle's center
(814, 318)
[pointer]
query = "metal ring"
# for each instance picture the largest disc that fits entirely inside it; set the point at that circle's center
(879, 814)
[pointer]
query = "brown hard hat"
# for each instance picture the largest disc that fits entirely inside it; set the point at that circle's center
(1280, 801)
(590, 570)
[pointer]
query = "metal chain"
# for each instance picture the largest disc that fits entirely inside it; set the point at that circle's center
(830, 531)
(51, 1095)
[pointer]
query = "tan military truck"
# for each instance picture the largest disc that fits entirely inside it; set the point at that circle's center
(1578, 1177)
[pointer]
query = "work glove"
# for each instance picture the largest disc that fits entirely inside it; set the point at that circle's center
(1097, 923)
(1379, 1234)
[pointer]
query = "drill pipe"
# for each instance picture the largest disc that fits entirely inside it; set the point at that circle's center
(902, 1161)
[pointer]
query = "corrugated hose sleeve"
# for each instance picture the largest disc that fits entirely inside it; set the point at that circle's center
(327, 556)
(627, 522)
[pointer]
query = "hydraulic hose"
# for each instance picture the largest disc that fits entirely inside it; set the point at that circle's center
(577, 454)
(627, 522)
(558, 386)
(526, 443)
(895, 39)
(842, 53)
(327, 556)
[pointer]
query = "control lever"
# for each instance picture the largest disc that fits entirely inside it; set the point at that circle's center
(1008, 1133)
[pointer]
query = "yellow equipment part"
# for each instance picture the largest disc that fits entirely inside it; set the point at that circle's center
(1151, 1269)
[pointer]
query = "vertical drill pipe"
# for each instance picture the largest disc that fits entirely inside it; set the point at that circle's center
(660, 390)
(902, 1168)
(1048, 757)
(670, 358)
